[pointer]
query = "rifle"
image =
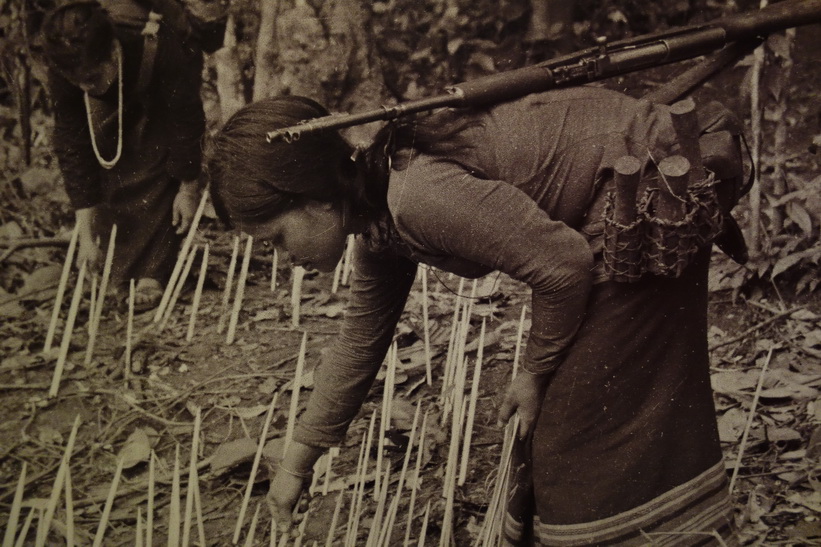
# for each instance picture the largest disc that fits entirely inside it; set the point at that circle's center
(737, 34)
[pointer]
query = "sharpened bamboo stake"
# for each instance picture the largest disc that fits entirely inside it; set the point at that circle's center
(229, 280)
(174, 505)
(96, 314)
(742, 445)
(138, 534)
(178, 289)
(41, 531)
(192, 478)
(426, 327)
(360, 495)
(92, 305)
(198, 508)
(424, 530)
(385, 535)
(494, 517)
(274, 268)
(67, 333)
(109, 502)
(149, 512)
(519, 333)
(329, 539)
(385, 418)
(249, 539)
(195, 306)
(297, 384)
(254, 467)
(376, 523)
(21, 539)
(129, 330)
(450, 471)
(474, 395)
(358, 477)
(417, 469)
(16, 504)
(348, 267)
(298, 274)
(337, 276)
(59, 480)
(328, 467)
(240, 294)
(186, 245)
(69, 509)
(61, 289)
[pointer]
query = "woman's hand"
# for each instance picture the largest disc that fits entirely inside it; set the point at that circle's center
(283, 495)
(524, 395)
(185, 206)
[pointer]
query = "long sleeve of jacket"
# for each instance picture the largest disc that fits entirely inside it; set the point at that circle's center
(380, 288)
(441, 211)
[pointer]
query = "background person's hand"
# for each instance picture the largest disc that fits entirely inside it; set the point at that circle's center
(524, 395)
(89, 251)
(185, 206)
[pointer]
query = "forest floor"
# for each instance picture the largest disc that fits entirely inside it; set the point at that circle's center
(777, 492)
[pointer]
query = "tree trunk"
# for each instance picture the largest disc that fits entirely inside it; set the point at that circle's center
(324, 53)
(265, 57)
(229, 75)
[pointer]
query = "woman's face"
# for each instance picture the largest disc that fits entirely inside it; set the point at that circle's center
(98, 78)
(311, 234)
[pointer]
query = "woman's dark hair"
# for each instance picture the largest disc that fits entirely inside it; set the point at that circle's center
(77, 36)
(253, 181)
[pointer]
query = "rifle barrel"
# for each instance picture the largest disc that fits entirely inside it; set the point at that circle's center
(588, 65)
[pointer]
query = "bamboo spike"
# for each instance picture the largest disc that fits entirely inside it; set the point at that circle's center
(198, 508)
(21, 539)
(109, 502)
(474, 395)
(69, 509)
(426, 327)
(385, 418)
(348, 267)
(337, 276)
(92, 305)
(328, 466)
(192, 478)
(298, 274)
(360, 462)
(449, 483)
(149, 512)
(195, 306)
(129, 330)
(385, 536)
(229, 280)
(417, 469)
(274, 268)
(424, 530)
(519, 333)
(59, 480)
(186, 245)
(361, 491)
(240, 294)
(174, 505)
(376, 523)
(283, 540)
(300, 531)
(497, 506)
(96, 313)
(750, 417)
(67, 333)
(249, 539)
(138, 534)
(329, 539)
(255, 466)
(16, 504)
(297, 384)
(61, 289)
(169, 310)
(272, 538)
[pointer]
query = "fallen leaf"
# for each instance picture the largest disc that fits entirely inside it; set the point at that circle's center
(232, 453)
(246, 413)
(137, 449)
(731, 424)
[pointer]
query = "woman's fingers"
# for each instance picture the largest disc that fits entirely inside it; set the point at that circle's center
(284, 495)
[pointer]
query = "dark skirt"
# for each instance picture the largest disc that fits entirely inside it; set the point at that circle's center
(626, 449)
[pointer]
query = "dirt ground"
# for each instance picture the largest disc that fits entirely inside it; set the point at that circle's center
(777, 493)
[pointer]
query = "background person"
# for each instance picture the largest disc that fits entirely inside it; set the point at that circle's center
(127, 135)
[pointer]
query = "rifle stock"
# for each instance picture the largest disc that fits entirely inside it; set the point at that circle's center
(590, 65)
